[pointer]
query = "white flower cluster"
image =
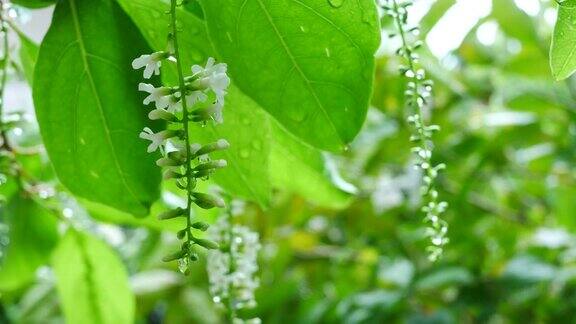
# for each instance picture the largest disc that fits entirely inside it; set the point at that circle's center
(206, 82)
(418, 95)
(233, 268)
(197, 98)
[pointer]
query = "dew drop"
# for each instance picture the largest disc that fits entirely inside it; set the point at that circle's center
(183, 265)
(303, 29)
(257, 145)
(336, 3)
(244, 153)
(327, 52)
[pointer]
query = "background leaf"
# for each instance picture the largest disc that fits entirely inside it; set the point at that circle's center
(28, 56)
(300, 168)
(91, 281)
(32, 236)
(308, 63)
(563, 52)
(88, 120)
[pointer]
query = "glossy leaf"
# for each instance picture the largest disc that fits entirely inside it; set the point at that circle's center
(89, 120)
(309, 63)
(245, 125)
(28, 56)
(32, 236)
(300, 168)
(247, 130)
(563, 52)
(91, 281)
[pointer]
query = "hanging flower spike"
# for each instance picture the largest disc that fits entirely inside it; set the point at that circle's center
(157, 139)
(151, 62)
(160, 95)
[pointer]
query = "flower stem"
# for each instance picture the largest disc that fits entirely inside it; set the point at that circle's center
(5, 64)
(185, 117)
(416, 103)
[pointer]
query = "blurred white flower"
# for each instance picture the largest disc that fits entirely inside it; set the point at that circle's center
(232, 273)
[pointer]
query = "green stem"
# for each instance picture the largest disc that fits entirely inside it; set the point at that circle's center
(5, 64)
(415, 96)
(185, 118)
(232, 265)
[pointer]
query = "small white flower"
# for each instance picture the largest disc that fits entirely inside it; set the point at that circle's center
(151, 63)
(161, 114)
(195, 97)
(213, 77)
(174, 104)
(217, 112)
(160, 95)
(156, 139)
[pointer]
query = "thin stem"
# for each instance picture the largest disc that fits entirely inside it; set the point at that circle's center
(417, 90)
(185, 117)
(5, 64)
(232, 264)
(417, 84)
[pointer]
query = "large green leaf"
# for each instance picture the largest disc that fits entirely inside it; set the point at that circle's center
(300, 168)
(563, 52)
(32, 235)
(247, 130)
(88, 106)
(91, 281)
(245, 125)
(308, 62)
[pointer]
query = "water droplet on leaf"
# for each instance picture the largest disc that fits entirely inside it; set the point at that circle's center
(336, 3)
(244, 153)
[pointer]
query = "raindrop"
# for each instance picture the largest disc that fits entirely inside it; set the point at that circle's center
(244, 153)
(327, 52)
(303, 29)
(257, 145)
(336, 3)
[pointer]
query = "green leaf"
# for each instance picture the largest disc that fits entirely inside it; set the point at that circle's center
(91, 281)
(109, 215)
(308, 63)
(563, 51)
(34, 3)
(513, 21)
(245, 124)
(436, 12)
(89, 120)
(247, 130)
(302, 169)
(28, 56)
(32, 236)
